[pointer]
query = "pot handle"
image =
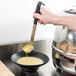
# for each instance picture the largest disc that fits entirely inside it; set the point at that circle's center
(38, 10)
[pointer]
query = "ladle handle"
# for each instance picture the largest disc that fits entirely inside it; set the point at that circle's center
(38, 10)
(35, 20)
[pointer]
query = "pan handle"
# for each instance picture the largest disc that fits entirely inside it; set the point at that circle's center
(38, 10)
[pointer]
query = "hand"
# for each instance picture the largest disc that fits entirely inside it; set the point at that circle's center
(45, 16)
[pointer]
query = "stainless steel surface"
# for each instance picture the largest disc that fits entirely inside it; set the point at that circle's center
(7, 50)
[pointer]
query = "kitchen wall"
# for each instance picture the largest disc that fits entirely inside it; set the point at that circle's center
(16, 20)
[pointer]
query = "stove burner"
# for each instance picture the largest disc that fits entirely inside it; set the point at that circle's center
(29, 72)
(23, 73)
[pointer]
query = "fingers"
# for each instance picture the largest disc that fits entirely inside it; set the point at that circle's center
(39, 21)
(38, 16)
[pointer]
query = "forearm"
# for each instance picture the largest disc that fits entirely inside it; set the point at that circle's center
(66, 21)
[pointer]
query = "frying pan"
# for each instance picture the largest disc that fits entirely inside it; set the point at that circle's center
(30, 68)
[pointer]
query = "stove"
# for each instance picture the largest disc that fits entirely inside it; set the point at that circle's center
(45, 70)
(40, 72)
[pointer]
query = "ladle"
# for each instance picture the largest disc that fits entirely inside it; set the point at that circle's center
(28, 47)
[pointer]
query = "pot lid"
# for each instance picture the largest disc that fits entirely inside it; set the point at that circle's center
(72, 10)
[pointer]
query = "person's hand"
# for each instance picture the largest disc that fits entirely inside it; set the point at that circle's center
(45, 16)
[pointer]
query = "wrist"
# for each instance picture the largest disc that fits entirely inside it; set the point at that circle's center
(56, 20)
(59, 20)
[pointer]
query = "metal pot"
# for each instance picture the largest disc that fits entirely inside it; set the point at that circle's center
(64, 49)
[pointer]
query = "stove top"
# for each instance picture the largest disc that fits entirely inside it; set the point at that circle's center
(29, 74)
(45, 70)
(18, 72)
